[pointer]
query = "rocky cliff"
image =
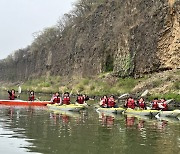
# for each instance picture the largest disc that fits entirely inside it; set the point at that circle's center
(129, 38)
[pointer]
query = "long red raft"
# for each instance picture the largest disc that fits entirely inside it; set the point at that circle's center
(23, 103)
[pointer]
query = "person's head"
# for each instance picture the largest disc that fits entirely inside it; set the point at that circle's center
(84, 95)
(155, 99)
(31, 92)
(79, 95)
(162, 99)
(111, 97)
(141, 99)
(57, 94)
(129, 99)
(13, 91)
(105, 97)
(66, 94)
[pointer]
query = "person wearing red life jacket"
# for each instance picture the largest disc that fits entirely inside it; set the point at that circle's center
(31, 96)
(104, 101)
(154, 104)
(111, 102)
(66, 99)
(56, 98)
(163, 105)
(80, 99)
(141, 104)
(12, 95)
(130, 103)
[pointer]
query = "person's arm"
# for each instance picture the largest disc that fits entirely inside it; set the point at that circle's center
(137, 104)
(160, 106)
(60, 103)
(87, 98)
(71, 93)
(52, 98)
(9, 92)
(125, 105)
(145, 106)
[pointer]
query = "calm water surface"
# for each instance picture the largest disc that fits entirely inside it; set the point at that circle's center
(37, 130)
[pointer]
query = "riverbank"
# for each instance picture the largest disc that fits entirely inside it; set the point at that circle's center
(163, 84)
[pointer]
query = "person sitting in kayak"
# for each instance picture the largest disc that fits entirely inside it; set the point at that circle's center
(56, 98)
(80, 99)
(66, 99)
(141, 104)
(154, 104)
(111, 102)
(12, 95)
(130, 103)
(86, 98)
(31, 96)
(163, 105)
(104, 101)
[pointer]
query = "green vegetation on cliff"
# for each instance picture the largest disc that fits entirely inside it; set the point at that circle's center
(165, 84)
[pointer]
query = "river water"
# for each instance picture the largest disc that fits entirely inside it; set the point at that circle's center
(26, 130)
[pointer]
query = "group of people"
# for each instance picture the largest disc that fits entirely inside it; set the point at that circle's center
(156, 104)
(65, 99)
(13, 96)
(108, 102)
(105, 101)
(56, 98)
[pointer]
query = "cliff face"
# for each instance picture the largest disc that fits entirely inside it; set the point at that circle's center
(129, 37)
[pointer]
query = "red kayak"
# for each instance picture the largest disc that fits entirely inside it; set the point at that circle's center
(24, 103)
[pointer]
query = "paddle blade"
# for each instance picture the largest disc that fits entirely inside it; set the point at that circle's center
(145, 93)
(19, 89)
(124, 96)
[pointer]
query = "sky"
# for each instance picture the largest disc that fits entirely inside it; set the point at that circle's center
(19, 19)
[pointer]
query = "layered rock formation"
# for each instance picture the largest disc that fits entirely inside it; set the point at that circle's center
(130, 38)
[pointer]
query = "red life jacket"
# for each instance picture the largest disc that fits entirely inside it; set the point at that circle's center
(165, 106)
(12, 97)
(104, 102)
(80, 99)
(31, 98)
(56, 99)
(111, 103)
(155, 105)
(131, 104)
(66, 100)
(142, 105)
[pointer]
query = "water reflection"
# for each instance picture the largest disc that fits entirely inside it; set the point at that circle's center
(42, 131)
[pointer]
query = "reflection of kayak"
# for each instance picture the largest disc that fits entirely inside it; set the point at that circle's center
(142, 117)
(68, 113)
(71, 107)
(23, 103)
(114, 115)
(111, 110)
(169, 119)
(174, 113)
(81, 105)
